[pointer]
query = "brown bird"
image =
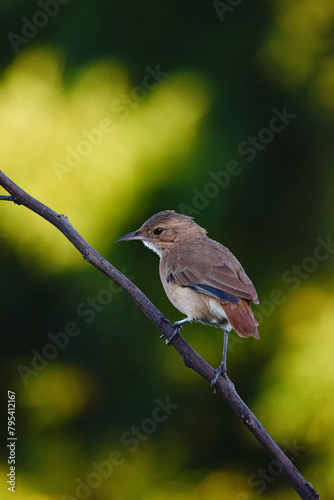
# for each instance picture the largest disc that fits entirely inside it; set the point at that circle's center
(201, 277)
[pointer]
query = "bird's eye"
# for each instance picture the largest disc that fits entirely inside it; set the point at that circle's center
(157, 231)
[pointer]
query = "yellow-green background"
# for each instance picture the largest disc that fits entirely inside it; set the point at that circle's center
(225, 77)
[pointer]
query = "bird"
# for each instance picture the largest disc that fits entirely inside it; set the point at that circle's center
(201, 277)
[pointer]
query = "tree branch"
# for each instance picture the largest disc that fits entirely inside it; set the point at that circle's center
(7, 198)
(191, 359)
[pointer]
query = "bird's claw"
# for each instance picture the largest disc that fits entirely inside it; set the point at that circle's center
(220, 371)
(177, 329)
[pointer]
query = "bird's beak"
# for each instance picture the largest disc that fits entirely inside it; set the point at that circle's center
(135, 235)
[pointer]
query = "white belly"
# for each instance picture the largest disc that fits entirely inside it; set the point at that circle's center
(198, 306)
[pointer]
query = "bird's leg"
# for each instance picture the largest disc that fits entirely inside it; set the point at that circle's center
(177, 327)
(178, 324)
(221, 370)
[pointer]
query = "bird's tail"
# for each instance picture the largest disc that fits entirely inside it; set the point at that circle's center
(241, 318)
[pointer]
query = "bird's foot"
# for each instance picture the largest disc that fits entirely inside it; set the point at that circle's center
(177, 327)
(220, 371)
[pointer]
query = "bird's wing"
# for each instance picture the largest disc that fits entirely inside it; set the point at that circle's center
(219, 281)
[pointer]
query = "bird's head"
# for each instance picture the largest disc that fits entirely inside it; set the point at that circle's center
(161, 231)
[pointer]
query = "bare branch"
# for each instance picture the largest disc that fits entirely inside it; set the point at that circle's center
(191, 359)
(7, 198)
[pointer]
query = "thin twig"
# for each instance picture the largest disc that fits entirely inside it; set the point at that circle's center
(6, 198)
(191, 359)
